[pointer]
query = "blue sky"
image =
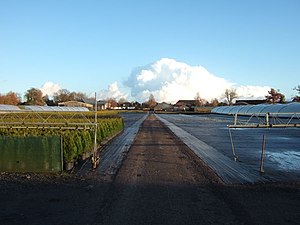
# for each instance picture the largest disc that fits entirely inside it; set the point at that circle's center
(88, 45)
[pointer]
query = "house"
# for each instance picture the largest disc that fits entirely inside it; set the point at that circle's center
(164, 107)
(185, 105)
(250, 101)
(102, 105)
(128, 105)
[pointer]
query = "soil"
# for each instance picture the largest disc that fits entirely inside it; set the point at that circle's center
(160, 182)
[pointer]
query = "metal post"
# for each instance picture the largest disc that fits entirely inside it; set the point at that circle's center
(61, 153)
(262, 154)
(95, 158)
(232, 146)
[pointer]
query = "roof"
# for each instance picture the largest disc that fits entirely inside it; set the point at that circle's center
(250, 101)
(55, 108)
(9, 107)
(186, 102)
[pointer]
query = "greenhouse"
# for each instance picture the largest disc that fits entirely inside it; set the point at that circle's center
(35, 108)
(55, 109)
(282, 110)
(8, 108)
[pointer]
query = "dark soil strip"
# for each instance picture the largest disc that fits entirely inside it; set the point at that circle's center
(162, 182)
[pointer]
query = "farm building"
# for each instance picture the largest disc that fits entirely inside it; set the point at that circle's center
(185, 105)
(76, 104)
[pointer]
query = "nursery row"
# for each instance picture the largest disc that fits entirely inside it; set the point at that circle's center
(75, 142)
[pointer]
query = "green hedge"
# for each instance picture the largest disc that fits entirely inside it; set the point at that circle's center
(75, 142)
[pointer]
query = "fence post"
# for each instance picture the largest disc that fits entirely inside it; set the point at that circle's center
(235, 119)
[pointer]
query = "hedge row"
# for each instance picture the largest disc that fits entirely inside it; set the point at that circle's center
(75, 142)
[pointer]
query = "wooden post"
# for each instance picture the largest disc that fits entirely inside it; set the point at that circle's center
(262, 154)
(267, 119)
(235, 119)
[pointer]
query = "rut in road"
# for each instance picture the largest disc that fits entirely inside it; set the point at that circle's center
(159, 183)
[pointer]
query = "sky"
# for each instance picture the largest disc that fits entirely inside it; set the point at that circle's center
(132, 48)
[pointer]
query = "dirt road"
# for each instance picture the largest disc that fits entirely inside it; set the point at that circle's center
(160, 182)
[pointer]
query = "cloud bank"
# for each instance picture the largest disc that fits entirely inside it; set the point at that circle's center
(169, 80)
(112, 91)
(49, 88)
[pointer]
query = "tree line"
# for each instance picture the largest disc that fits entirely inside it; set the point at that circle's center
(273, 96)
(34, 96)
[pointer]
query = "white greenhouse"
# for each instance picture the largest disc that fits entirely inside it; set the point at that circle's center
(281, 110)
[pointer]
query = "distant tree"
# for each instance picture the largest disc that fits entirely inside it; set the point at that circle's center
(199, 101)
(121, 101)
(275, 96)
(77, 96)
(48, 101)
(34, 96)
(11, 98)
(151, 102)
(296, 98)
(112, 103)
(230, 95)
(214, 102)
(64, 95)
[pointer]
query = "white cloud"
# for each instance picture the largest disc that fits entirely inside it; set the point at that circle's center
(170, 81)
(112, 91)
(49, 88)
(252, 92)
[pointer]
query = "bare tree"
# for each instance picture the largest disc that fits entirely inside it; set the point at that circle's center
(230, 95)
(122, 101)
(296, 98)
(64, 95)
(34, 96)
(61, 96)
(151, 102)
(275, 96)
(214, 102)
(112, 103)
(199, 101)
